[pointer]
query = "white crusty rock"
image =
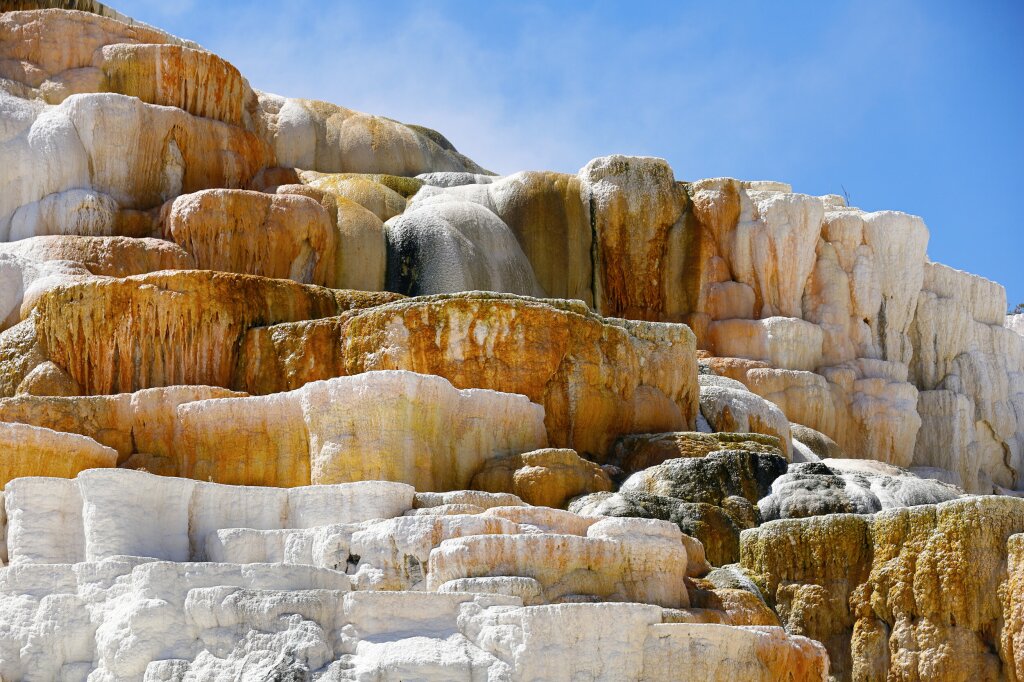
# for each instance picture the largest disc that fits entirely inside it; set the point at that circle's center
(24, 280)
(107, 513)
(728, 406)
(136, 619)
(970, 368)
(849, 486)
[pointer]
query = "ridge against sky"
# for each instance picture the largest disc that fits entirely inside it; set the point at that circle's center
(911, 106)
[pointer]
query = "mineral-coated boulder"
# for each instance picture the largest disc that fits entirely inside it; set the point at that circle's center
(639, 451)
(285, 236)
(711, 526)
(549, 477)
(712, 478)
(818, 443)
(438, 248)
(728, 406)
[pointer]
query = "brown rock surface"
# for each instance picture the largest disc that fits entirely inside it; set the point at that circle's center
(171, 327)
(639, 451)
(548, 478)
(284, 236)
(109, 256)
(48, 379)
(597, 378)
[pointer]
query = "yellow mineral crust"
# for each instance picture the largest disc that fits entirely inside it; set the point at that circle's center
(395, 426)
(172, 327)
(34, 451)
(918, 593)
(130, 423)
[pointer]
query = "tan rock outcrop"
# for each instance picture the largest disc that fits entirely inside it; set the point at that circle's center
(131, 423)
(35, 451)
(46, 379)
(51, 54)
(627, 194)
(548, 478)
(914, 593)
(1013, 606)
(818, 299)
(108, 256)
(332, 139)
(970, 368)
(597, 378)
(172, 327)
(284, 236)
(395, 426)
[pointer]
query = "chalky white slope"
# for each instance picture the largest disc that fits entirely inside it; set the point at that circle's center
(111, 579)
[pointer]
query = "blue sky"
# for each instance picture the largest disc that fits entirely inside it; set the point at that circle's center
(914, 106)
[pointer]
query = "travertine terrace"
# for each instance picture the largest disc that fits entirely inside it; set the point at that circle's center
(294, 392)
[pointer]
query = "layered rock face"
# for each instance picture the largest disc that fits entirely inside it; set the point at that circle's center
(597, 378)
(888, 595)
(196, 318)
(289, 391)
(335, 600)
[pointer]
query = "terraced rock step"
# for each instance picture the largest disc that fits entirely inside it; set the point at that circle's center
(290, 391)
